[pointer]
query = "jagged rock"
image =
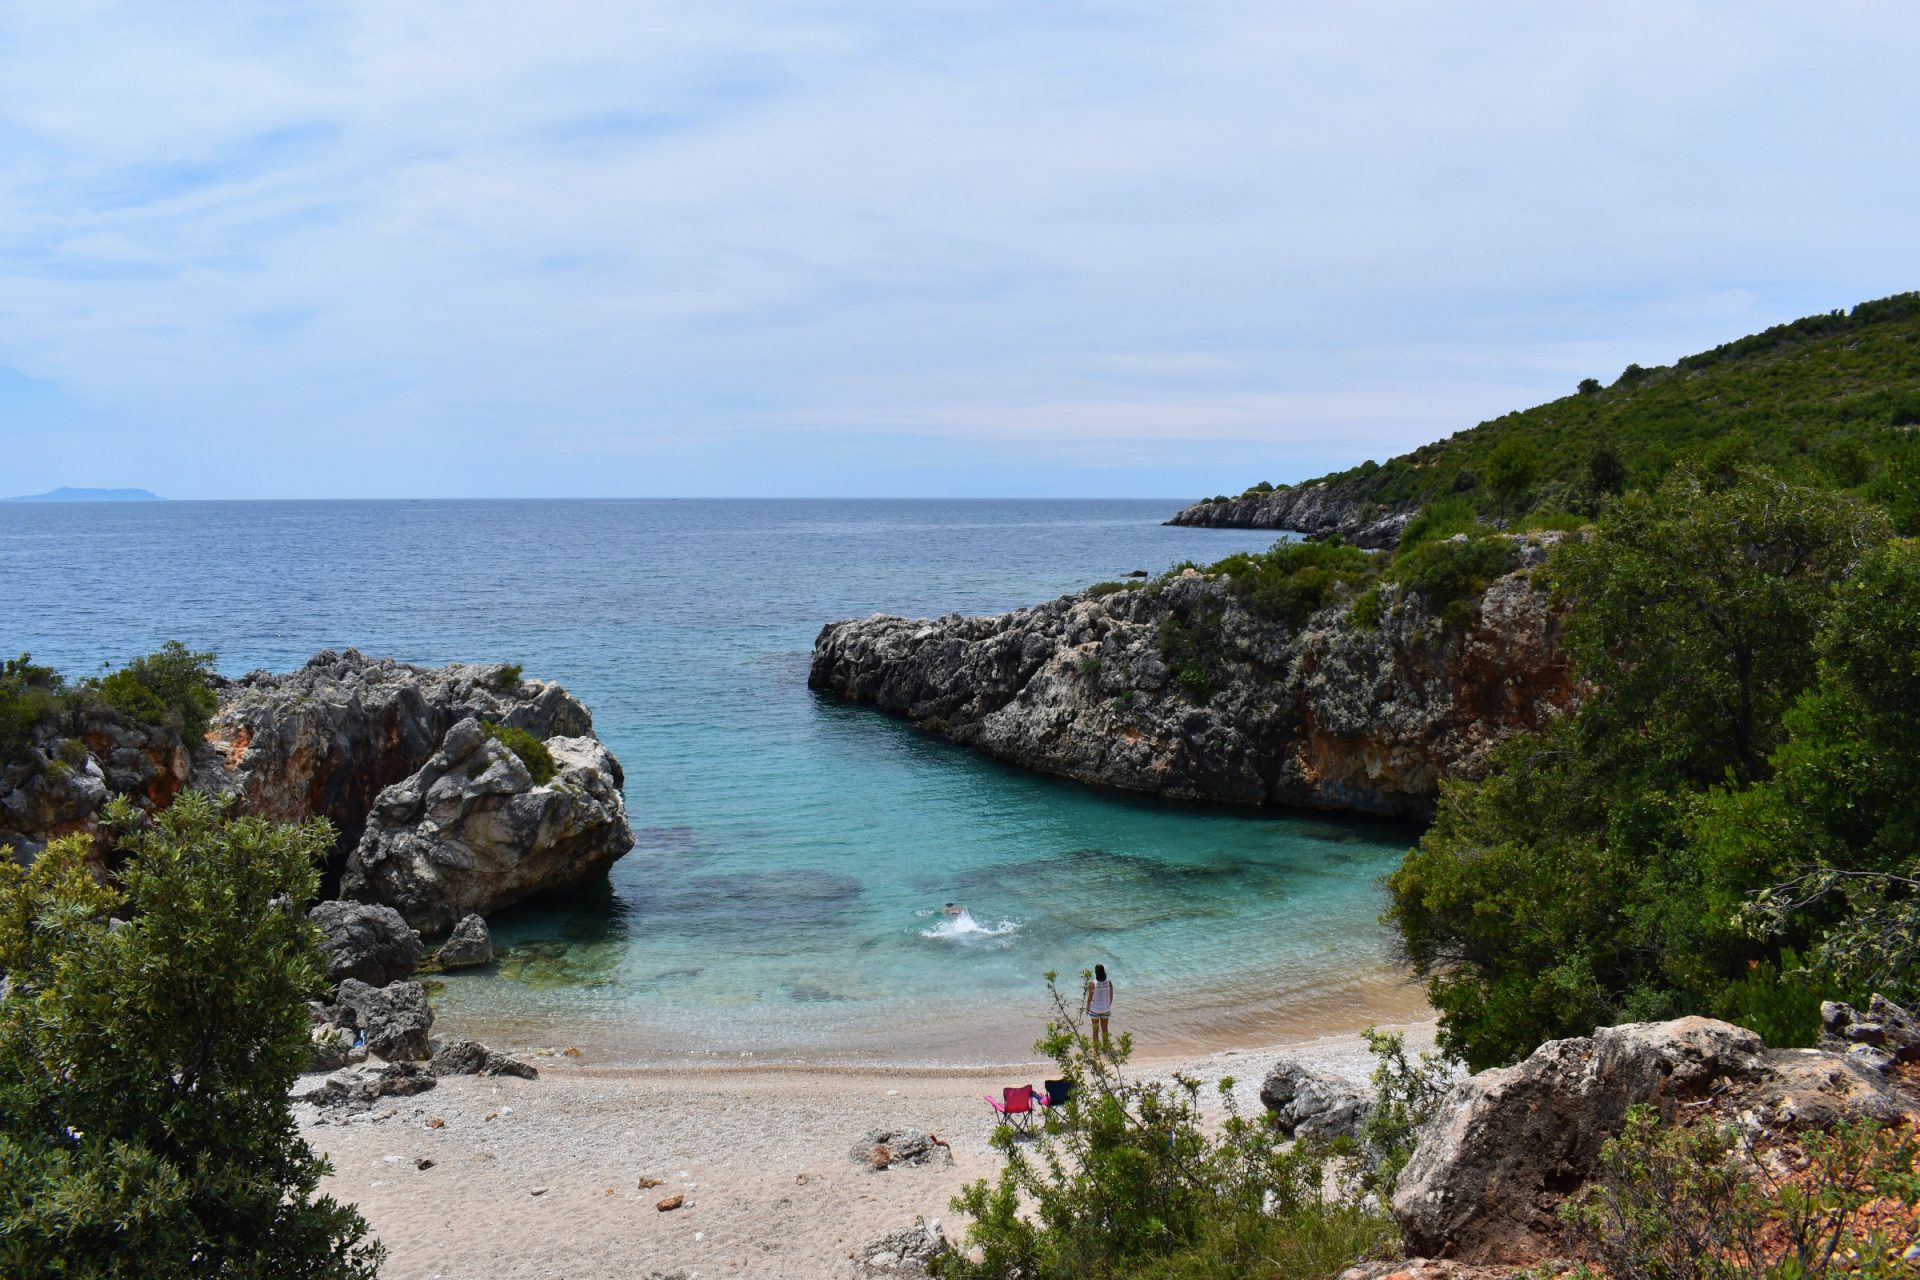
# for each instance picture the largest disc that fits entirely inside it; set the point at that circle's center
(471, 1058)
(1886, 1034)
(469, 944)
(1331, 716)
(361, 1086)
(324, 740)
(1507, 1145)
(471, 832)
(331, 1047)
(395, 1020)
(60, 780)
(366, 941)
(909, 1251)
(884, 1148)
(1316, 510)
(1306, 1104)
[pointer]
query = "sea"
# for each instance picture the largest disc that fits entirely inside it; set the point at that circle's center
(787, 898)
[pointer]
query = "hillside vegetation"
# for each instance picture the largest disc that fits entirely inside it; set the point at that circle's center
(1831, 400)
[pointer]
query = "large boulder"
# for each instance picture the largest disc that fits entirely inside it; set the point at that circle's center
(1306, 1104)
(366, 941)
(1507, 1145)
(472, 832)
(471, 1058)
(323, 741)
(395, 1020)
(1884, 1035)
(470, 944)
(357, 1087)
(62, 775)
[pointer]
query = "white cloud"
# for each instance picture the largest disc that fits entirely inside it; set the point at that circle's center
(1062, 228)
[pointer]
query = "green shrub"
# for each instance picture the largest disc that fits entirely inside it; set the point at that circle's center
(1366, 610)
(1779, 1000)
(533, 753)
(1090, 665)
(1551, 522)
(1451, 576)
(29, 694)
(1695, 1203)
(145, 1127)
(1406, 1094)
(507, 679)
(1440, 520)
(166, 687)
(1129, 1180)
(1099, 589)
(1293, 580)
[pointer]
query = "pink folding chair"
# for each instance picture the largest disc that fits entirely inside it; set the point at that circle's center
(1015, 1106)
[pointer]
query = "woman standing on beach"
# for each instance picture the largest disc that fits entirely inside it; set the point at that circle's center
(1097, 1004)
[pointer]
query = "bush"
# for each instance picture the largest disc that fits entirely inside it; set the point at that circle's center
(1451, 576)
(166, 687)
(1099, 589)
(1293, 580)
(28, 695)
(1128, 1180)
(507, 679)
(1406, 1094)
(145, 1128)
(533, 753)
(1438, 521)
(1695, 1203)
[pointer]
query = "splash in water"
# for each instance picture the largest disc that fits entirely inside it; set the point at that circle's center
(956, 924)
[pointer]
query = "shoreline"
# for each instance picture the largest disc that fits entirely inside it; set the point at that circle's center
(497, 1178)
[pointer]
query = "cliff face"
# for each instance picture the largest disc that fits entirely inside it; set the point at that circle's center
(1329, 716)
(1316, 510)
(461, 824)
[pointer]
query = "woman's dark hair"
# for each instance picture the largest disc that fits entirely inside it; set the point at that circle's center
(1099, 973)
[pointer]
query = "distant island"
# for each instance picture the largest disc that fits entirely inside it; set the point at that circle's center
(67, 494)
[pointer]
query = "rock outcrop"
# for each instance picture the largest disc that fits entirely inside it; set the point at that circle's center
(325, 740)
(471, 1058)
(1307, 1104)
(1508, 1145)
(67, 770)
(910, 1251)
(1332, 715)
(472, 832)
(395, 1020)
(468, 946)
(366, 941)
(1317, 510)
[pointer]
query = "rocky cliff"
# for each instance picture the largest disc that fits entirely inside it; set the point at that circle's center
(1329, 715)
(1317, 510)
(433, 822)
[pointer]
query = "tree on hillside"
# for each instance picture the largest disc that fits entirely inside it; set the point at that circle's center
(1511, 469)
(145, 1128)
(1565, 890)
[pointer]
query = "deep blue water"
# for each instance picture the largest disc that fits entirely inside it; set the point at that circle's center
(793, 851)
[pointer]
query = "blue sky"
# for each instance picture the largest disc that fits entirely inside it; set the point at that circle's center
(506, 249)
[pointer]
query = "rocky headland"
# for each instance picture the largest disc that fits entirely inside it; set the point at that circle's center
(1335, 713)
(1317, 509)
(437, 814)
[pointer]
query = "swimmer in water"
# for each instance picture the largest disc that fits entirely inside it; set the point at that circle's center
(953, 909)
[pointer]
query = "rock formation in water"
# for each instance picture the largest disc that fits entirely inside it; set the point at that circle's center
(471, 831)
(460, 826)
(1333, 715)
(1318, 509)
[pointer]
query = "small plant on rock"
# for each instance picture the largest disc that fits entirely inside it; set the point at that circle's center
(533, 753)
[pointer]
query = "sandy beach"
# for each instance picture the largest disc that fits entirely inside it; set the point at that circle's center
(541, 1178)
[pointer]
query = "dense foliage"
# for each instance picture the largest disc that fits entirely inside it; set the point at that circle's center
(169, 688)
(1829, 400)
(145, 1062)
(1697, 1203)
(1128, 1180)
(1731, 630)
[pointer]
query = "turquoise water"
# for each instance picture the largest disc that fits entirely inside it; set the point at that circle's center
(795, 853)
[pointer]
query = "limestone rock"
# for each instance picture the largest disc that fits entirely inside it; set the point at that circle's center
(395, 1020)
(1317, 510)
(1328, 716)
(1306, 1104)
(884, 1148)
(1884, 1035)
(323, 741)
(61, 778)
(366, 941)
(471, 832)
(469, 944)
(1507, 1145)
(361, 1086)
(471, 1058)
(909, 1251)
(331, 1047)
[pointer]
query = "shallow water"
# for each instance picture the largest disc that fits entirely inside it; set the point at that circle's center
(795, 853)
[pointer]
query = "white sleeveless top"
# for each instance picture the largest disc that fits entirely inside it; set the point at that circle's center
(1102, 1002)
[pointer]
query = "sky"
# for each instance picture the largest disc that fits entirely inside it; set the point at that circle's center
(413, 249)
